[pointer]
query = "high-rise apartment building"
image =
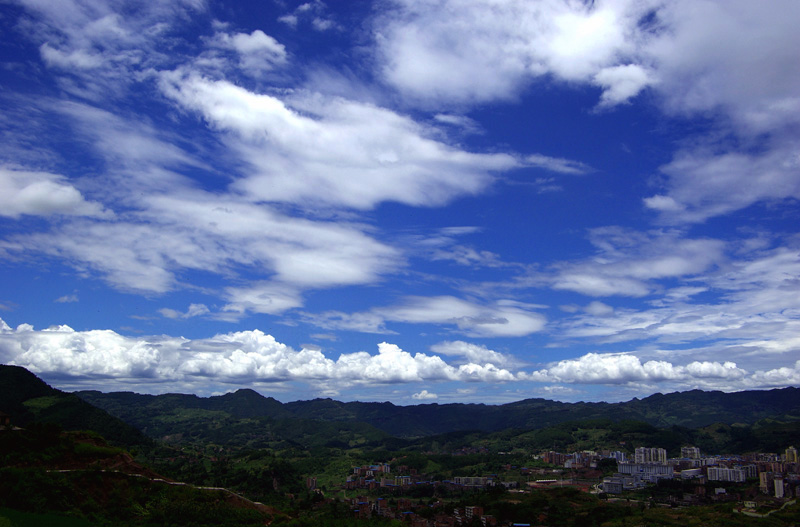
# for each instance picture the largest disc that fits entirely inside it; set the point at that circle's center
(690, 452)
(650, 455)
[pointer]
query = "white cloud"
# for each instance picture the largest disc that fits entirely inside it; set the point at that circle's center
(700, 181)
(289, 20)
(43, 194)
(103, 51)
(311, 150)
(199, 231)
(239, 357)
(424, 395)
(263, 297)
(599, 309)
(463, 122)
(314, 13)
(66, 299)
(474, 353)
(110, 361)
(733, 56)
(479, 50)
(78, 58)
(468, 256)
(194, 310)
(749, 312)
(141, 158)
(555, 164)
(621, 83)
(503, 318)
(703, 54)
(258, 42)
(627, 263)
(731, 61)
(620, 368)
(779, 377)
(258, 52)
(95, 353)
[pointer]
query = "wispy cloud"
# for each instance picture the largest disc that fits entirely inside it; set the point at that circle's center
(67, 299)
(501, 318)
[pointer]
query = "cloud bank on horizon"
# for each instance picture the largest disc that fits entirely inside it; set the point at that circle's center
(496, 200)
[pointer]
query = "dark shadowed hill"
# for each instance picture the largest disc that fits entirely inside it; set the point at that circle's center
(27, 399)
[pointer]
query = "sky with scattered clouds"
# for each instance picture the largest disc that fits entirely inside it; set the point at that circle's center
(401, 200)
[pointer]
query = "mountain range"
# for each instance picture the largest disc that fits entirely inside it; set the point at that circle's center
(245, 416)
(691, 409)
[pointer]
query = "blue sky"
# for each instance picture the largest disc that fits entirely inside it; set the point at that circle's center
(452, 201)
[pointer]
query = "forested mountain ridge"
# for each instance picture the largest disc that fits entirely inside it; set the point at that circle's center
(694, 409)
(247, 413)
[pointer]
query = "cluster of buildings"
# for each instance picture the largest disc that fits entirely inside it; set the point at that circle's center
(410, 514)
(371, 477)
(406, 482)
(778, 475)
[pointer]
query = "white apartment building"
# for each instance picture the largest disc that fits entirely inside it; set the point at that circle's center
(736, 475)
(650, 455)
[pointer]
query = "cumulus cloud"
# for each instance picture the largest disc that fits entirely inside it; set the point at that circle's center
(234, 358)
(474, 50)
(779, 377)
(157, 364)
(621, 368)
(43, 194)
(699, 56)
(424, 395)
(257, 51)
(621, 83)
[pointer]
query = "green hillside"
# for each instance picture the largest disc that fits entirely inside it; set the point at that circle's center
(28, 399)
